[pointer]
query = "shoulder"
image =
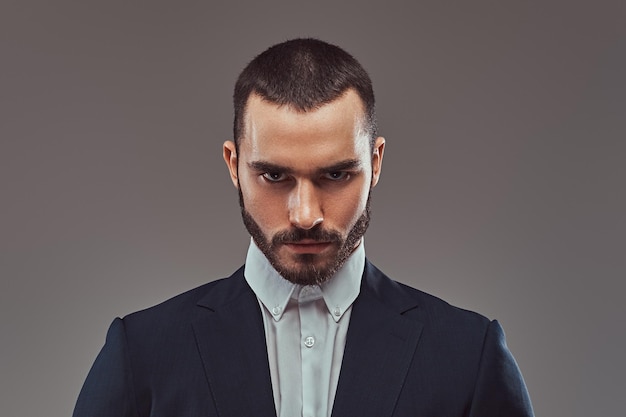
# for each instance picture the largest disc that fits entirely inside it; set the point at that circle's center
(418, 305)
(183, 306)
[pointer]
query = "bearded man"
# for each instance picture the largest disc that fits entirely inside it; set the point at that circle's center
(308, 326)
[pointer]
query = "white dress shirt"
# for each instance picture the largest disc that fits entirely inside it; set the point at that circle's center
(305, 332)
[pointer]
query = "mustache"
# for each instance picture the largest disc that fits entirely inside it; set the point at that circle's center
(317, 234)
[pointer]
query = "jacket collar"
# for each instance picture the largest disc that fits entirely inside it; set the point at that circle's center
(380, 345)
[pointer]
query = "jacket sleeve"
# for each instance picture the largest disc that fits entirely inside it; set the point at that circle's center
(108, 389)
(500, 390)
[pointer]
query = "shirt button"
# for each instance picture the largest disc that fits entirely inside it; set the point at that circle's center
(309, 341)
(337, 312)
(276, 310)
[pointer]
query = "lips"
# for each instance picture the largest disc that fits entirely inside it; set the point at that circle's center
(308, 246)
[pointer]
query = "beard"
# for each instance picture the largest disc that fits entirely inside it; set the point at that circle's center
(307, 269)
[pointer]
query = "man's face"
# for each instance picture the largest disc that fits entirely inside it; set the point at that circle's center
(304, 180)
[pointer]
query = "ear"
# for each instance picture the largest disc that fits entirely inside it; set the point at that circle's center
(230, 157)
(377, 159)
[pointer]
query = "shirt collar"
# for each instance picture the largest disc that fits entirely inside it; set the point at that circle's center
(274, 292)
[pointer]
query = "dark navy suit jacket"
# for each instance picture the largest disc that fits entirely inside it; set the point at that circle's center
(203, 354)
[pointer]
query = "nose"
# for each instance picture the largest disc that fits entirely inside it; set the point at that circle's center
(305, 209)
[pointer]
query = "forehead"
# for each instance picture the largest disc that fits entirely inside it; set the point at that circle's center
(324, 135)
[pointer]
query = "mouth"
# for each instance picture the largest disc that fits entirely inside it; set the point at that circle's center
(308, 246)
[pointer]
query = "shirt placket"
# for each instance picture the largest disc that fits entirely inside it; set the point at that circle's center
(313, 320)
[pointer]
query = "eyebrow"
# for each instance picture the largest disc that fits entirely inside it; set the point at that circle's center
(264, 166)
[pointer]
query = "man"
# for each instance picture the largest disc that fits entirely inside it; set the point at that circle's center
(308, 327)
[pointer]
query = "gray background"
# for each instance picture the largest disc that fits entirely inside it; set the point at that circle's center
(502, 189)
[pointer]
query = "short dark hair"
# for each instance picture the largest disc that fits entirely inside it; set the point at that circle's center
(304, 74)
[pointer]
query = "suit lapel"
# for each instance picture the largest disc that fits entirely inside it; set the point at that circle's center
(229, 332)
(379, 348)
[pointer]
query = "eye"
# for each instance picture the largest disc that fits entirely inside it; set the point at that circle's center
(337, 176)
(274, 176)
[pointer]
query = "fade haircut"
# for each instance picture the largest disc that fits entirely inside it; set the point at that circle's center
(303, 74)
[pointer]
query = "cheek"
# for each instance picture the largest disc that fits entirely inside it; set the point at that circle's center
(350, 205)
(267, 209)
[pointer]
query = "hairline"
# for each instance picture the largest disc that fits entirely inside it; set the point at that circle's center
(364, 125)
